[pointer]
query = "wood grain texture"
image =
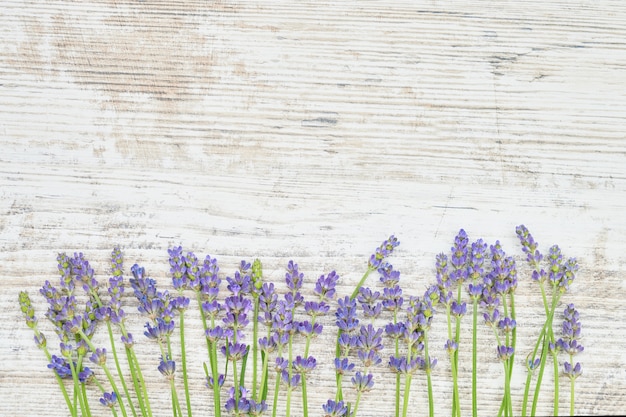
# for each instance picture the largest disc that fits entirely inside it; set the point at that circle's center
(311, 131)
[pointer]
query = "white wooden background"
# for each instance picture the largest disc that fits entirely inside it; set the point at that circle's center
(312, 130)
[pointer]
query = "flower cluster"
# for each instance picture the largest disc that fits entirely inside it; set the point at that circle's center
(259, 335)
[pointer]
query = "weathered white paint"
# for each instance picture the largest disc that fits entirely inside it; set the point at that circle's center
(311, 131)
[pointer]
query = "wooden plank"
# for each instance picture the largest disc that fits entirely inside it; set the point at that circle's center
(311, 131)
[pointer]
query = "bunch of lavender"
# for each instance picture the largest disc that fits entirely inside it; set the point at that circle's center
(75, 328)
(363, 340)
(160, 308)
(465, 268)
(280, 317)
(499, 287)
(557, 277)
(570, 344)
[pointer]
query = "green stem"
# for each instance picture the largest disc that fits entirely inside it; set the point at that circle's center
(183, 358)
(474, 358)
(77, 385)
(289, 373)
(546, 340)
(526, 389)
(119, 369)
(175, 403)
(556, 383)
(397, 352)
(277, 385)
(407, 387)
(431, 402)
(571, 396)
(255, 343)
(356, 404)
(305, 407)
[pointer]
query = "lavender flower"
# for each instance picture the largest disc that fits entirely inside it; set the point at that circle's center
(362, 382)
(108, 399)
(167, 367)
(400, 365)
(572, 372)
(325, 286)
(383, 251)
(505, 352)
(346, 315)
(343, 366)
(335, 409)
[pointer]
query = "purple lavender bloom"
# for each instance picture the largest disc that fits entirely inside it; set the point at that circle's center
(220, 381)
(400, 365)
(193, 272)
(167, 367)
(180, 303)
(505, 352)
(306, 328)
(108, 399)
(293, 277)
(60, 366)
(292, 382)
(392, 298)
(529, 246)
(325, 286)
(533, 364)
(389, 276)
(86, 375)
(346, 315)
(241, 283)
(367, 296)
(209, 281)
(280, 339)
(343, 366)
(362, 382)
(83, 273)
(493, 318)
(236, 318)
(507, 324)
(458, 309)
(211, 309)
(315, 309)
(293, 300)
(128, 341)
(282, 320)
(475, 291)
(177, 267)
(477, 259)
(443, 272)
(451, 346)
(304, 365)
(65, 269)
(215, 334)
(383, 251)
(99, 357)
(460, 257)
(235, 351)
(569, 346)
(574, 372)
(369, 302)
(346, 343)
(268, 301)
(395, 330)
(160, 331)
(369, 358)
(281, 364)
(335, 409)
(370, 338)
(424, 365)
(267, 345)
